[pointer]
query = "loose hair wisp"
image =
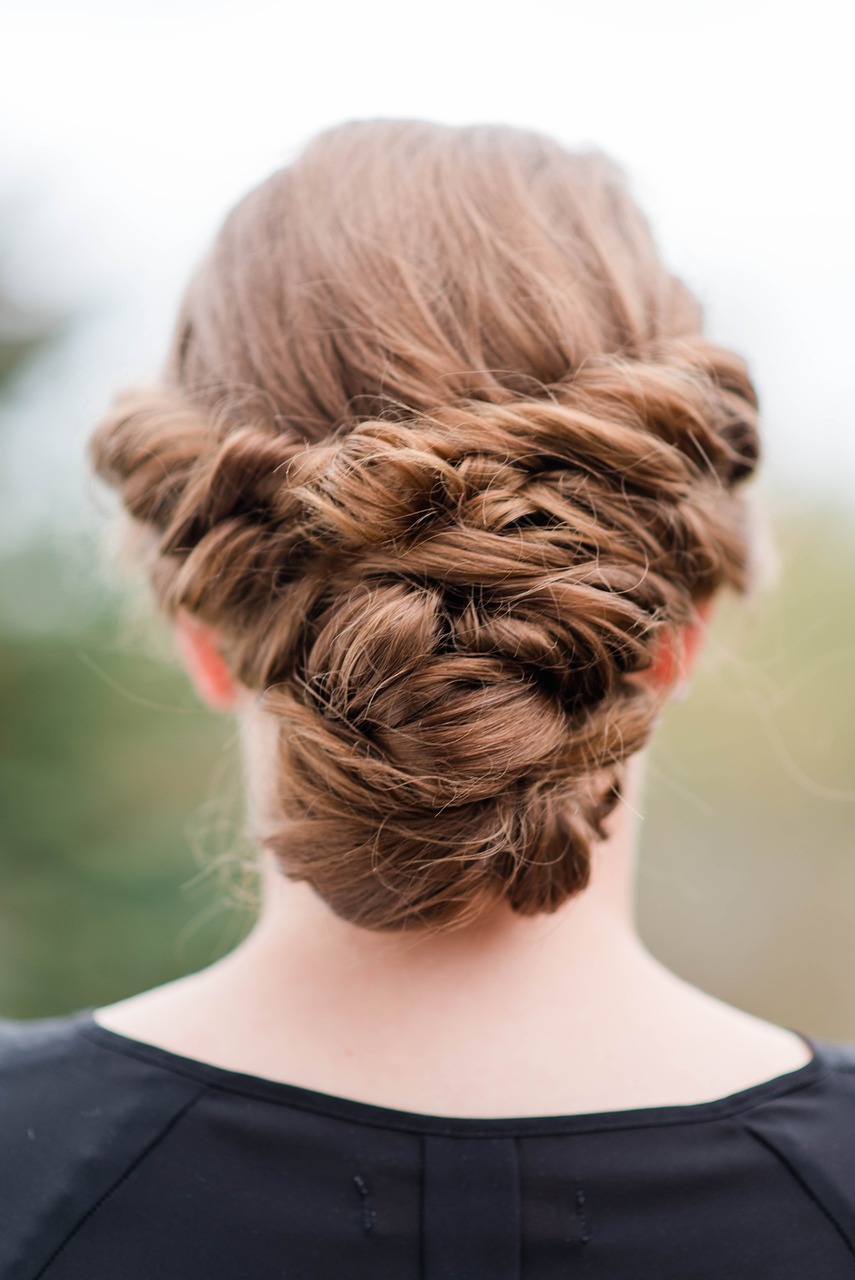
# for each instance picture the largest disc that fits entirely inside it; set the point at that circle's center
(439, 450)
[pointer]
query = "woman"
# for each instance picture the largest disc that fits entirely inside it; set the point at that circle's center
(438, 490)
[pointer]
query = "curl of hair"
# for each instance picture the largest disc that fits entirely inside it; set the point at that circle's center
(440, 450)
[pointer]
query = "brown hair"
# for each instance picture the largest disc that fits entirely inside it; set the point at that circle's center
(440, 450)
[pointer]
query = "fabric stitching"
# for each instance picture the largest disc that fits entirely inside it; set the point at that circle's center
(135, 1163)
(784, 1160)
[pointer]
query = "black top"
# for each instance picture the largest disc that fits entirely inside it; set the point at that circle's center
(123, 1161)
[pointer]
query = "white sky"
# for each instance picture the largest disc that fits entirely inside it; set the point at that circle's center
(127, 130)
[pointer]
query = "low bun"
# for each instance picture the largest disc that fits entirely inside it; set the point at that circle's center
(443, 602)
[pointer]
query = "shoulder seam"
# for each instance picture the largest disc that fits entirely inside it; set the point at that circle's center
(123, 1176)
(795, 1174)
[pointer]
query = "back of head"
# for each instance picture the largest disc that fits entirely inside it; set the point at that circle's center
(439, 451)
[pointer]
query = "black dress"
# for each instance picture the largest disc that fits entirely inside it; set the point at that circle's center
(122, 1161)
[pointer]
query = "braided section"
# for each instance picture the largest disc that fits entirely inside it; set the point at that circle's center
(445, 610)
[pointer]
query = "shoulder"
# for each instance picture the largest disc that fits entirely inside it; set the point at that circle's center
(73, 1119)
(39, 1040)
(828, 1078)
(809, 1129)
(839, 1055)
(55, 1067)
(819, 1094)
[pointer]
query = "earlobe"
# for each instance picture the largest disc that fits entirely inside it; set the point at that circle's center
(678, 650)
(208, 670)
(692, 639)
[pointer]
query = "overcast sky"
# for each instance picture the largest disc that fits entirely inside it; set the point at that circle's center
(127, 130)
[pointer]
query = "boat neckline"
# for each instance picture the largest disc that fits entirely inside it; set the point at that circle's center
(380, 1116)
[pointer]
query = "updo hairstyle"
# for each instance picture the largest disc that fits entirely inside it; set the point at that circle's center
(439, 450)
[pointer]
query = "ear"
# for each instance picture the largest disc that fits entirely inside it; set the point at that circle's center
(693, 635)
(212, 679)
(679, 650)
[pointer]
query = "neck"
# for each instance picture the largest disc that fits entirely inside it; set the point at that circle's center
(475, 1020)
(588, 947)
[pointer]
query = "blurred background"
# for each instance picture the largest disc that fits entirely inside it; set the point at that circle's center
(126, 132)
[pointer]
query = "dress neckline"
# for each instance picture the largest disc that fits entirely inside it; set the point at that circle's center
(379, 1116)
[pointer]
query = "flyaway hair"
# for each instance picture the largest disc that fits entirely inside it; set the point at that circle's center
(440, 449)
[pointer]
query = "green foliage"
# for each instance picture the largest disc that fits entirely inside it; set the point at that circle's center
(119, 802)
(747, 884)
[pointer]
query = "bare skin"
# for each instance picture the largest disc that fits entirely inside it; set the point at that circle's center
(510, 1016)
